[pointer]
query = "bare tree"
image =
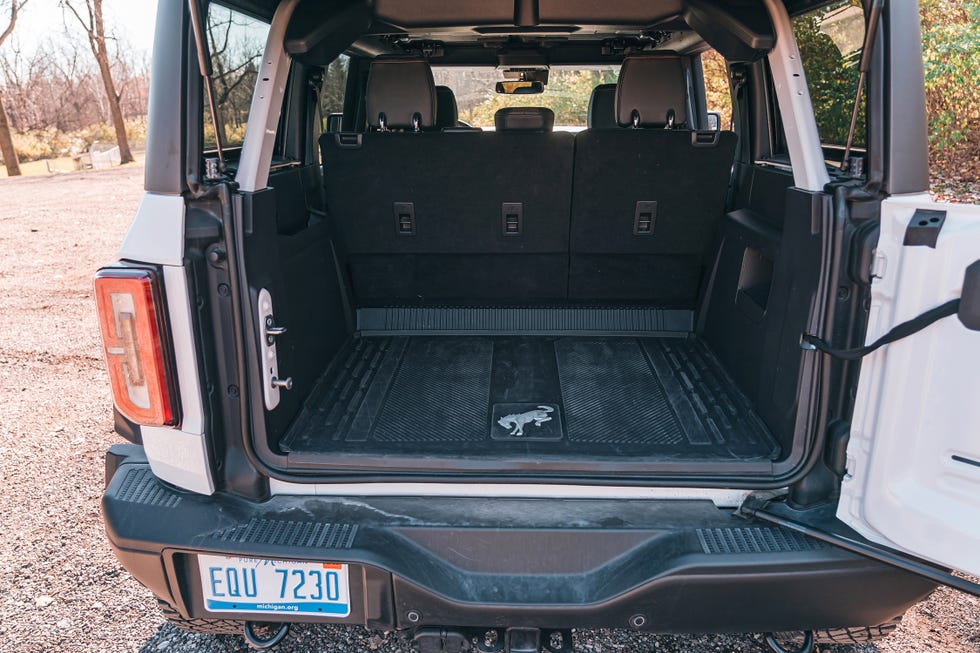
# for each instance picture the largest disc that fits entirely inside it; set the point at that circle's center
(55, 91)
(131, 69)
(7, 150)
(53, 87)
(89, 15)
(235, 54)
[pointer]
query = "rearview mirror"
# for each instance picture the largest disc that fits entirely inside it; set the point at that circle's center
(714, 121)
(519, 88)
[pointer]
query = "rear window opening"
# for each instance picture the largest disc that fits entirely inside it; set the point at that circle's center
(567, 93)
(236, 42)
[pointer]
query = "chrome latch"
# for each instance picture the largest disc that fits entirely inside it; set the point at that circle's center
(270, 330)
(271, 383)
(285, 384)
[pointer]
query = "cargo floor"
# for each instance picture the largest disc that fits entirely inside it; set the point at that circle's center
(570, 397)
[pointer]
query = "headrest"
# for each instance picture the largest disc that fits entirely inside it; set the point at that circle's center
(447, 115)
(602, 107)
(650, 88)
(524, 119)
(402, 91)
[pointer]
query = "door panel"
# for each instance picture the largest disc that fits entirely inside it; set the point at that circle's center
(913, 460)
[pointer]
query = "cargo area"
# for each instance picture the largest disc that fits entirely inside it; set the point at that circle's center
(596, 396)
(494, 364)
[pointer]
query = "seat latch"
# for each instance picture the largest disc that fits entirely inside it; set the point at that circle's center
(645, 218)
(404, 218)
(512, 214)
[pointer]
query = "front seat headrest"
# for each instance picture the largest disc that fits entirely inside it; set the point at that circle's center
(400, 94)
(602, 107)
(652, 89)
(525, 119)
(447, 114)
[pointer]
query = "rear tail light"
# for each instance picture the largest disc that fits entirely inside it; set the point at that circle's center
(129, 316)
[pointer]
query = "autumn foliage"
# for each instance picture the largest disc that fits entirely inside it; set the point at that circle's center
(951, 50)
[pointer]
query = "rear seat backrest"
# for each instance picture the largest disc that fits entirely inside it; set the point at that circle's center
(424, 216)
(602, 107)
(646, 200)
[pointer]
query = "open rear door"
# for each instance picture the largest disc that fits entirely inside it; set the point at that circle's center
(913, 460)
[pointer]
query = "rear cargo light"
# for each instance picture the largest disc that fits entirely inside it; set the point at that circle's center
(129, 317)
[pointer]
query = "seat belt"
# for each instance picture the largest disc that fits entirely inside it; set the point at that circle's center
(903, 330)
(740, 119)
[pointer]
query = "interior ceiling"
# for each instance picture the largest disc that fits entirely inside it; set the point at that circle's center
(613, 12)
(474, 20)
(475, 32)
(464, 28)
(414, 14)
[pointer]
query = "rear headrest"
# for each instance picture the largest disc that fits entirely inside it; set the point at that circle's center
(400, 92)
(525, 119)
(602, 107)
(650, 89)
(447, 115)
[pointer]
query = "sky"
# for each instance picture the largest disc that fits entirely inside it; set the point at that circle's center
(132, 20)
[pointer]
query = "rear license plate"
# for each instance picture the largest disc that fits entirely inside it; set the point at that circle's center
(274, 586)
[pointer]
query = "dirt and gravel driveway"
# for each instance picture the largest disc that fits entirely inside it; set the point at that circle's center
(60, 587)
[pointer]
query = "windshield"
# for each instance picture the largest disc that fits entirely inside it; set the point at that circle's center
(567, 93)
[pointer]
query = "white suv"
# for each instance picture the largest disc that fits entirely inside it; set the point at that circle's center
(477, 322)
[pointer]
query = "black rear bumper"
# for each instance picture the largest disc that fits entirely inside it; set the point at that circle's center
(685, 566)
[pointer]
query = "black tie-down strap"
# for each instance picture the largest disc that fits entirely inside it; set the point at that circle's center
(902, 330)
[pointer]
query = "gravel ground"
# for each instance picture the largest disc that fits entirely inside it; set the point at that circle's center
(60, 587)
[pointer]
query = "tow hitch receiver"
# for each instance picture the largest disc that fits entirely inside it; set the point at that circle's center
(492, 640)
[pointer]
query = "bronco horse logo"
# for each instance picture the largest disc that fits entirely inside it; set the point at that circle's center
(517, 421)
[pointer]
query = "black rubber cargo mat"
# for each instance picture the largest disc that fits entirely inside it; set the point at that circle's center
(483, 396)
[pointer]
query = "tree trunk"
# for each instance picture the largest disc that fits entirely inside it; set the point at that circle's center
(7, 143)
(118, 122)
(94, 27)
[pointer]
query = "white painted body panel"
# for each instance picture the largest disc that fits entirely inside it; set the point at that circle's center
(918, 401)
(176, 455)
(157, 232)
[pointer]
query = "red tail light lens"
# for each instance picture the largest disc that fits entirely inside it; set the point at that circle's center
(127, 300)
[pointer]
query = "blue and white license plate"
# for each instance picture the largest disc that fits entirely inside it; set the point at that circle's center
(274, 586)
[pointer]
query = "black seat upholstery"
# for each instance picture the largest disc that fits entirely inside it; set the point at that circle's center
(602, 107)
(652, 92)
(436, 217)
(400, 94)
(526, 119)
(492, 218)
(447, 113)
(646, 200)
